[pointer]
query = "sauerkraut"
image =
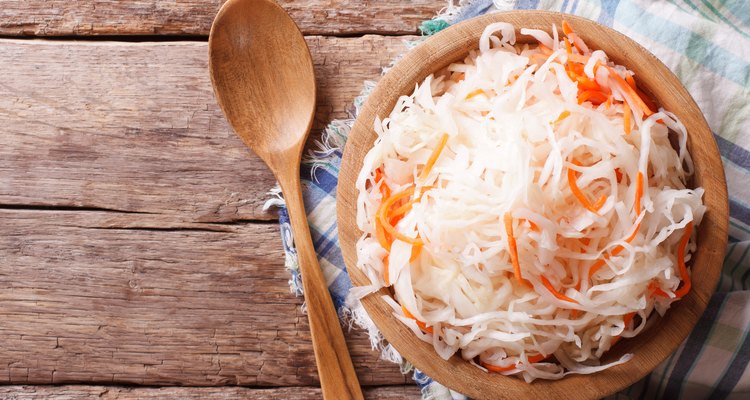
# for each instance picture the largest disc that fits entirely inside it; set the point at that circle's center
(528, 206)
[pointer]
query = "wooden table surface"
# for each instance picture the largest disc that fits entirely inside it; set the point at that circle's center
(137, 261)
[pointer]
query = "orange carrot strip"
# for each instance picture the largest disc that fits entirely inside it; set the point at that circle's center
(594, 96)
(629, 79)
(647, 100)
(433, 157)
(626, 117)
(382, 216)
(393, 232)
(508, 219)
(638, 192)
(537, 58)
(424, 327)
(617, 250)
(632, 235)
(458, 76)
(578, 59)
(382, 237)
(396, 215)
(415, 252)
(575, 39)
(534, 227)
(474, 93)
(544, 49)
(563, 115)
(599, 203)
(627, 318)
(587, 84)
(598, 264)
(420, 324)
(572, 75)
(578, 69)
(618, 173)
(686, 284)
(495, 368)
(568, 48)
(385, 191)
(405, 208)
(395, 220)
(577, 191)
(567, 30)
(554, 292)
(632, 93)
(656, 290)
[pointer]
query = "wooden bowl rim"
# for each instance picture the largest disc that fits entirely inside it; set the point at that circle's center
(649, 348)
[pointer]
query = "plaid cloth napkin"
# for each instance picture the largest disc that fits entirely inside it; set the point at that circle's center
(706, 43)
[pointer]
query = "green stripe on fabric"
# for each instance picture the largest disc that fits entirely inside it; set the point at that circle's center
(726, 337)
(696, 8)
(740, 9)
(723, 18)
(735, 111)
(697, 47)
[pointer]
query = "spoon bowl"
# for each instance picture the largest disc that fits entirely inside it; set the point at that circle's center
(263, 76)
(264, 82)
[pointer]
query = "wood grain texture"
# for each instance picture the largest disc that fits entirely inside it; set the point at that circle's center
(135, 127)
(130, 249)
(103, 297)
(194, 17)
(79, 392)
(650, 347)
(263, 79)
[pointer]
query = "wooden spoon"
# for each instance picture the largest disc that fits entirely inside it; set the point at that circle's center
(263, 78)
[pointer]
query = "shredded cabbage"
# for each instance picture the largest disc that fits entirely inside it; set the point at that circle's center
(527, 208)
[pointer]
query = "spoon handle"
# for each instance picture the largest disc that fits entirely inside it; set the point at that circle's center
(338, 379)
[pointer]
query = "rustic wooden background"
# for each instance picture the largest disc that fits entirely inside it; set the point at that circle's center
(137, 261)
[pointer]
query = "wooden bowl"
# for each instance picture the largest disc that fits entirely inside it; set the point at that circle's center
(656, 342)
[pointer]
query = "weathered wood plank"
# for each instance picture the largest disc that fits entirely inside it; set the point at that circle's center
(78, 392)
(134, 126)
(194, 17)
(106, 297)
